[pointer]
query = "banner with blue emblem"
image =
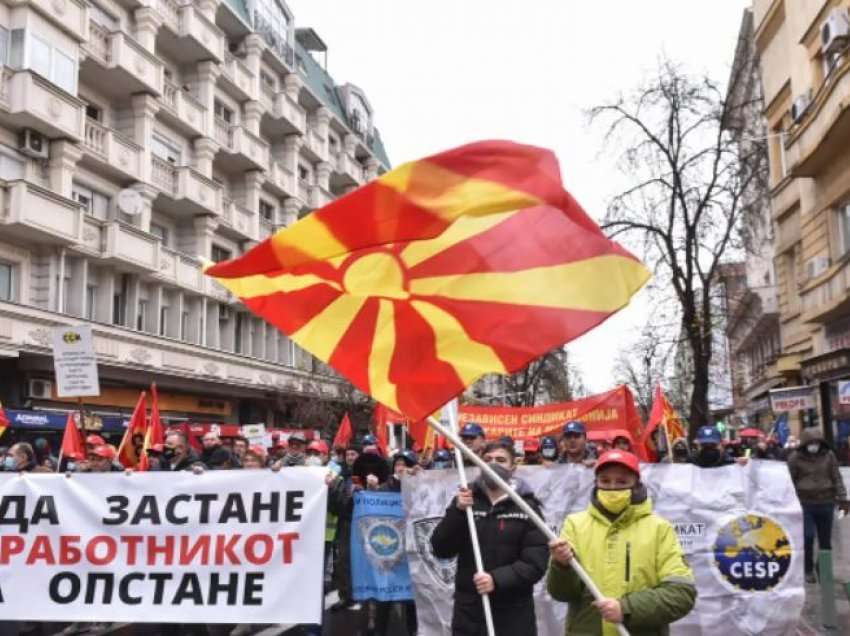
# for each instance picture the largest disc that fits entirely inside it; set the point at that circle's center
(378, 559)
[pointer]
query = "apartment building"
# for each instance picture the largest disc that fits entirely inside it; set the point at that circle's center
(137, 137)
(805, 70)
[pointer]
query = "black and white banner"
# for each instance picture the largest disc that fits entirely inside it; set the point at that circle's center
(741, 529)
(220, 547)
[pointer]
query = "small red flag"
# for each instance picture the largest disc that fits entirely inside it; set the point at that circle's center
(4, 421)
(382, 419)
(155, 433)
(73, 445)
(662, 415)
(344, 433)
(127, 452)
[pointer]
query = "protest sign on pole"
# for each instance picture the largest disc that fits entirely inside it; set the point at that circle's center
(221, 547)
(75, 362)
(740, 527)
(378, 559)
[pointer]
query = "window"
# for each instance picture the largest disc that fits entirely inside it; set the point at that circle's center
(94, 203)
(27, 50)
(333, 145)
(223, 113)
(303, 172)
(240, 327)
(220, 254)
(118, 307)
(844, 223)
(142, 315)
(160, 232)
(267, 81)
(163, 318)
(11, 164)
(267, 211)
(66, 295)
(103, 18)
(91, 295)
(7, 282)
(165, 149)
(39, 56)
(16, 48)
(271, 21)
(94, 113)
(184, 325)
(4, 46)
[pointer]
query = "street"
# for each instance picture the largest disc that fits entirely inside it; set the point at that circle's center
(810, 622)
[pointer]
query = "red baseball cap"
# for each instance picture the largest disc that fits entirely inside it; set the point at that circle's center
(258, 451)
(624, 458)
(95, 440)
(104, 451)
(530, 445)
(319, 446)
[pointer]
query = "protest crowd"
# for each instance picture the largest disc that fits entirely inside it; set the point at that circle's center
(658, 587)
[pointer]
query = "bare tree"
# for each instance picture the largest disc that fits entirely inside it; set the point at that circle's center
(643, 364)
(549, 378)
(690, 176)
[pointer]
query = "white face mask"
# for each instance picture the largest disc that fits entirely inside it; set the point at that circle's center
(813, 447)
(313, 460)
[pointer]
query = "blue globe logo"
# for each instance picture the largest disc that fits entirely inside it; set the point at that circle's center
(752, 553)
(384, 540)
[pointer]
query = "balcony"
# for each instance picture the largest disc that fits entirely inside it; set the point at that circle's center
(180, 269)
(33, 102)
(119, 65)
(281, 180)
(830, 298)
(69, 15)
(318, 197)
(287, 114)
(182, 110)
(315, 146)
(188, 36)
(111, 152)
(267, 228)
(240, 149)
(237, 78)
(130, 249)
(237, 221)
(822, 136)
(304, 191)
(348, 169)
(32, 213)
(185, 190)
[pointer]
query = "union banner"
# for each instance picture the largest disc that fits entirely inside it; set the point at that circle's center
(604, 411)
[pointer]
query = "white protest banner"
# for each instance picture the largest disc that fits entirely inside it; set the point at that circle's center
(220, 547)
(75, 362)
(741, 529)
(795, 398)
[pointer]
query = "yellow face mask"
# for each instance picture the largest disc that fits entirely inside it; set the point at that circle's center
(614, 501)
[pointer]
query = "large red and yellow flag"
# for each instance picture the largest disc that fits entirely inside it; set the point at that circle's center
(136, 426)
(665, 417)
(471, 261)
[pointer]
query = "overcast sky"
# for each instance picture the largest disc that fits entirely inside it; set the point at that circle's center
(444, 72)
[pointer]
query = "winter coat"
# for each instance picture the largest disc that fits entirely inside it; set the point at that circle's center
(635, 558)
(514, 553)
(816, 477)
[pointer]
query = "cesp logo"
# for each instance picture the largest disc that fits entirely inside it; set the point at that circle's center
(752, 553)
(70, 337)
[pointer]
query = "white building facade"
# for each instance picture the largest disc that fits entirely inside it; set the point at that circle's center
(136, 138)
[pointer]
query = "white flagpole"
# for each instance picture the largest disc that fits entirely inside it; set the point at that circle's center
(523, 505)
(450, 410)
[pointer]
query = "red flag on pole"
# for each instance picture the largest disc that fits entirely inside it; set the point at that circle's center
(137, 426)
(4, 421)
(155, 433)
(343, 433)
(73, 445)
(662, 415)
(381, 418)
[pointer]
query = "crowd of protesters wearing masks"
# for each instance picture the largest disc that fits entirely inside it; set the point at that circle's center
(517, 555)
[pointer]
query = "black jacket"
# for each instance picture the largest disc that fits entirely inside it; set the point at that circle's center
(515, 554)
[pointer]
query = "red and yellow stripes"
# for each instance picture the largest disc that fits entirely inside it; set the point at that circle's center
(470, 262)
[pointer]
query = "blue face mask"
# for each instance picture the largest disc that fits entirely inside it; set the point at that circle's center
(10, 464)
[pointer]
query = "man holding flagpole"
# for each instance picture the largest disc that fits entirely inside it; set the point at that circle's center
(514, 553)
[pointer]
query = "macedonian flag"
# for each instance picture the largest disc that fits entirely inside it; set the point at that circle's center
(471, 261)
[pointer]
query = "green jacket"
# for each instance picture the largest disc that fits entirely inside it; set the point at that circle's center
(637, 559)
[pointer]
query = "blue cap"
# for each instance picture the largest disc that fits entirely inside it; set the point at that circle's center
(574, 427)
(369, 440)
(408, 456)
(442, 455)
(472, 430)
(708, 435)
(549, 448)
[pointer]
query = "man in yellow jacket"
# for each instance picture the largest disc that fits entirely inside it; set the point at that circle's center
(632, 555)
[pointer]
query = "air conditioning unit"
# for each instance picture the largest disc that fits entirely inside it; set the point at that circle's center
(33, 144)
(835, 31)
(41, 389)
(800, 106)
(817, 266)
(224, 313)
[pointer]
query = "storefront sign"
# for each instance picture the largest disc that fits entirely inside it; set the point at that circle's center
(798, 398)
(760, 405)
(844, 392)
(75, 362)
(168, 402)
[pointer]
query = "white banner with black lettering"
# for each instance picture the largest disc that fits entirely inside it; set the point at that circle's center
(220, 547)
(741, 529)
